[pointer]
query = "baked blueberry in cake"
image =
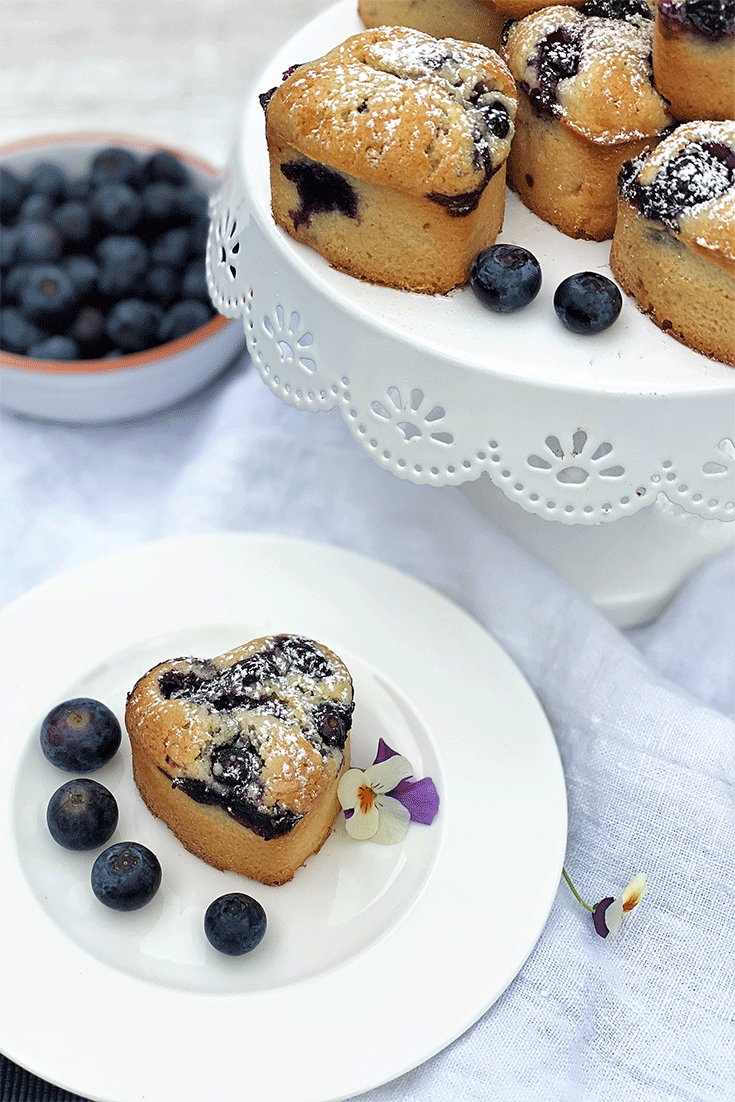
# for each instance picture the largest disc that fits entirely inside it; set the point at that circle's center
(694, 57)
(387, 156)
(674, 243)
(586, 104)
(241, 755)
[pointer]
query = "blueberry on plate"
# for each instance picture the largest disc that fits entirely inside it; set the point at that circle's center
(80, 735)
(505, 278)
(58, 347)
(126, 876)
(235, 923)
(82, 814)
(587, 302)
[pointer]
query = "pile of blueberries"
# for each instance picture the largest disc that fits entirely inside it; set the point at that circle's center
(105, 264)
(79, 736)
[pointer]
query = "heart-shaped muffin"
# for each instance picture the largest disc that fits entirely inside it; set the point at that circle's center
(241, 755)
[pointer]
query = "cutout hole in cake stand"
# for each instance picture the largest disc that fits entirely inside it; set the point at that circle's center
(611, 458)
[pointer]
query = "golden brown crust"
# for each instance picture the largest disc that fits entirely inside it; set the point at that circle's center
(469, 20)
(213, 836)
(407, 136)
(682, 292)
(426, 250)
(241, 754)
(610, 99)
(572, 140)
(674, 243)
(564, 179)
(695, 74)
(380, 107)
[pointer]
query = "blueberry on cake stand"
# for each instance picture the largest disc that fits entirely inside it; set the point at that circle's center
(611, 457)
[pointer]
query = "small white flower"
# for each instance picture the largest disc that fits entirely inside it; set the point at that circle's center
(608, 914)
(370, 813)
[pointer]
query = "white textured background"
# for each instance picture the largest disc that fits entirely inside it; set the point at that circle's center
(172, 70)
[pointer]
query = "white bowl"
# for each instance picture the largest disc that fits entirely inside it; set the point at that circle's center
(88, 391)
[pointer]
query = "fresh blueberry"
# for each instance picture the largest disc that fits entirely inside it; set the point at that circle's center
(235, 923)
(13, 280)
(163, 284)
(199, 235)
(123, 260)
(47, 179)
(163, 166)
(17, 334)
(13, 191)
(8, 247)
(82, 814)
(114, 165)
(80, 735)
(39, 242)
(193, 203)
(47, 294)
(172, 248)
(36, 208)
(182, 318)
(82, 271)
(57, 347)
(587, 302)
(194, 281)
(117, 207)
(160, 204)
(133, 325)
(73, 221)
(88, 330)
(78, 188)
(505, 278)
(126, 876)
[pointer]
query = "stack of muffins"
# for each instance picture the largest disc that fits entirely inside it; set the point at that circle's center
(611, 119)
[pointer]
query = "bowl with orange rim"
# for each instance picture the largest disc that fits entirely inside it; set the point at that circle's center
(125, 382)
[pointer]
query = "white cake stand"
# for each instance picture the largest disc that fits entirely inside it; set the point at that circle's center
(610, 457)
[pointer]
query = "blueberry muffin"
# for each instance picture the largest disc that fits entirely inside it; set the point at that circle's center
(586, 104)
(674, 243)
(387, 156)
(241, 755)
(469, 20)
(694, 57)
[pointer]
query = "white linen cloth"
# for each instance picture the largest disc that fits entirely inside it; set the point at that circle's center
(644, 721)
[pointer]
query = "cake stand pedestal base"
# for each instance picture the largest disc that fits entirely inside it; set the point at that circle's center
(629, 568)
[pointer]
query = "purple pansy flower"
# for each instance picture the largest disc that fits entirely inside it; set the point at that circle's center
(379, 802)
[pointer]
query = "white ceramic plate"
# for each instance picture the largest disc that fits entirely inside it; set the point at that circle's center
(375, 957)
